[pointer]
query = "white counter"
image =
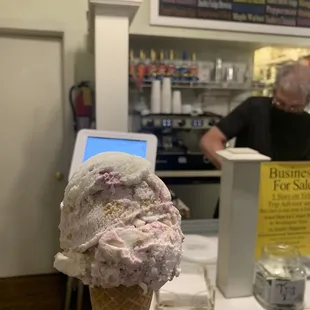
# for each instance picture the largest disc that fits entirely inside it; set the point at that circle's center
(246, 303)
(221, 303)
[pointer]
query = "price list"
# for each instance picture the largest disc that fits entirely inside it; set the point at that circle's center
(293, 13)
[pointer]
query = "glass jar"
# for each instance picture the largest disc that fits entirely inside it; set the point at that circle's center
(280, 278)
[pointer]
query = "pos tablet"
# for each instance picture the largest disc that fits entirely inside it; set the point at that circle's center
(92, 142)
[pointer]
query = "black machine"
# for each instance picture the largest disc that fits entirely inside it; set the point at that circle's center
(178, 139)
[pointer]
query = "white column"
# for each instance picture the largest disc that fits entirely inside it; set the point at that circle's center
(111, 20)
(238, 219)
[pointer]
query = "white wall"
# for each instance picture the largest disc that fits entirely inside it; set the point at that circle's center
(71, 13)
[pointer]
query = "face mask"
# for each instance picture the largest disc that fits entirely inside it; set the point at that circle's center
(284, 126)
(283, 118)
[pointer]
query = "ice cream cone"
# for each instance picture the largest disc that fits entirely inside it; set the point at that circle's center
(120, 298)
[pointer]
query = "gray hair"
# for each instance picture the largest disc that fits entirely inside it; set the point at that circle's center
(294, 78)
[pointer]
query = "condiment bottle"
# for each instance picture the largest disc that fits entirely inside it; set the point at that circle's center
(177, 70)
(152, 72)
(230, 73)
(171, 66)
(147, 63)
(132, 66)
(193, 70)
(218, 70)
(141, 70)
(161, 71)
(280, 278)
(184, 69)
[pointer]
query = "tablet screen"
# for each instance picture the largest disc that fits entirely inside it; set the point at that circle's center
(95, 145)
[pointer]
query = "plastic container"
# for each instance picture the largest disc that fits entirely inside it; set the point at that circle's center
(280, 278)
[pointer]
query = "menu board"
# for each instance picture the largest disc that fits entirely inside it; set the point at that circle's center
(293, 13)
(284, 206)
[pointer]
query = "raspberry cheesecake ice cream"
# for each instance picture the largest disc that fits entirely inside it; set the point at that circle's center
(120, 233)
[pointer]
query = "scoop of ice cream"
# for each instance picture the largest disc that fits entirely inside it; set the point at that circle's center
(118, 225)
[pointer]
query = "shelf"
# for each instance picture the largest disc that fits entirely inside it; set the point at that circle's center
(188, 173)
(283, 60)
(209, 86)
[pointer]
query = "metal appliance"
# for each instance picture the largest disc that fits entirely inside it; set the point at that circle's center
(178, 139)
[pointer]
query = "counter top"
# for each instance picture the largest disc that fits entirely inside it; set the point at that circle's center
(222, 303)
(246, 303)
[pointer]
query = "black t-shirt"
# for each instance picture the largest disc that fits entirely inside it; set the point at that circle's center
(259, 125)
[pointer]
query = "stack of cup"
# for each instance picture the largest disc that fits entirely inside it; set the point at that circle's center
(155, 97)
(162, 101)
(166, 96)
(176, 102)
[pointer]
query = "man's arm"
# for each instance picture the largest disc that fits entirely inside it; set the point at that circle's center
(214, 140)
(229, 127)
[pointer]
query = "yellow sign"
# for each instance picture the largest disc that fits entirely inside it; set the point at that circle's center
(284, 206)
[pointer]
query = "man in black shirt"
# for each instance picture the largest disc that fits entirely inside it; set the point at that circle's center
(277, 127)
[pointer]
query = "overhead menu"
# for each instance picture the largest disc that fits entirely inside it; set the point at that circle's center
(293, 13)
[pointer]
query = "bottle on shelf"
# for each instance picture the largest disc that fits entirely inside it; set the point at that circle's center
(140, 70)
(161, 71)
(218, 76)
(132, 66)
(152, 72)
(171, 66)
(184, 69)
(147, 67)
(177, 69)
(193, 70)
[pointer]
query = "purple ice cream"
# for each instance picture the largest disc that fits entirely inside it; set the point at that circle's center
(118, 225)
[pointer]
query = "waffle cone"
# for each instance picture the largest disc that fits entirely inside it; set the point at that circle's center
(120, 298)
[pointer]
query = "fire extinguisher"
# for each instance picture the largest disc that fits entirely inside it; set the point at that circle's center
(81, 97)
